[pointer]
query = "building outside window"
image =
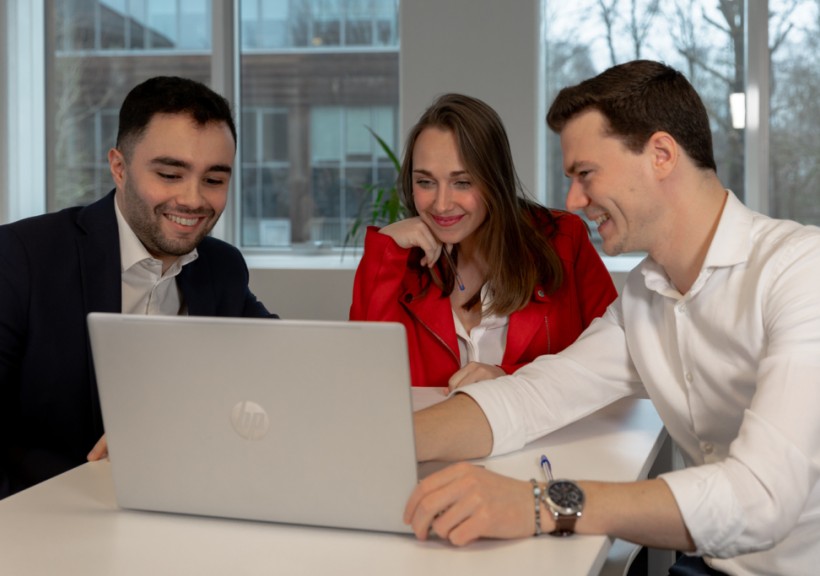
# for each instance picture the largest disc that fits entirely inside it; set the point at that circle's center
(315, 75)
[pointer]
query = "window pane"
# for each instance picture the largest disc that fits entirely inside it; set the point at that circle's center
(89, 81)
(704, 40)
(307, 97)
(326, 92)
(794, 40)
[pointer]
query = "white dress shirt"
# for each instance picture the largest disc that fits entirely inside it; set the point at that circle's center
(145, 289)
(486, 342)
(733, 368)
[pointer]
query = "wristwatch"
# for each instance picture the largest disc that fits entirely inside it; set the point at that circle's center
(565, 500)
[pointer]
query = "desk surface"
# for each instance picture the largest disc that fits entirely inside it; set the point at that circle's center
(71, 524)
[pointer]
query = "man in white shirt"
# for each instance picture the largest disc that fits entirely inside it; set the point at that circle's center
(143, 248)
(719, 326)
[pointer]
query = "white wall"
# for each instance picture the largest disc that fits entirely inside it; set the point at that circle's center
(483, 48)
(313, 294)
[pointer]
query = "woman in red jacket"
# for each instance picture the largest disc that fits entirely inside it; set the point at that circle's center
(483, 279)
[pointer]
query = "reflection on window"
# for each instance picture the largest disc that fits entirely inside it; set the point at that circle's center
(109, 25)
(318, 24)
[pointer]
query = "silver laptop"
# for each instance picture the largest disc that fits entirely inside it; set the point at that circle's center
(302, 422)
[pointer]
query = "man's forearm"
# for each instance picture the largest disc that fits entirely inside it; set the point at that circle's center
(455, 429)
(644, 512)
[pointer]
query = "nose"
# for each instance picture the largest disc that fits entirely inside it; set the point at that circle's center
(444, 199)
(190, 195)
(576, 198)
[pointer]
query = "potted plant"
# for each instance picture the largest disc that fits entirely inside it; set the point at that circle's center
(381, 205)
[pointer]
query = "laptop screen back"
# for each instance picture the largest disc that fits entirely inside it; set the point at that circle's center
(302, 422)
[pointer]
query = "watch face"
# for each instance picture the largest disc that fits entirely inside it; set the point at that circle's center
(567, 496)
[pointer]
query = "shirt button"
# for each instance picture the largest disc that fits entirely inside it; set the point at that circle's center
(541, 293)
(707, 447)
(682, 308)
(689, 377)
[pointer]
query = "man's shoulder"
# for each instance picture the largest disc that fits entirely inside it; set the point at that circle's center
(216, 252)
(772, 235)
(43, 226)
(58, 224)
(217, 247)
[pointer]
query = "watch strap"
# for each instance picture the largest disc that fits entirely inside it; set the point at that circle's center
(564, 524)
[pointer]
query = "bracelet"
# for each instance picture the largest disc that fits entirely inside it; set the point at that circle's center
(536, 494)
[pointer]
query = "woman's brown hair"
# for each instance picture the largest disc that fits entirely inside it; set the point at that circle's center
(519, 256)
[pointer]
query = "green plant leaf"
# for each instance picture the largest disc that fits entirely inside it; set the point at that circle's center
(381, 205)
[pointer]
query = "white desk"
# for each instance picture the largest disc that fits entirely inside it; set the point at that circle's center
(70, 525)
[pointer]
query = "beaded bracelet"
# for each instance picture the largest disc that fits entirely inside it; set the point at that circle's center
(536, 493)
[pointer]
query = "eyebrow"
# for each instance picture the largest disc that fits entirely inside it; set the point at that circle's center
(573, 168)
(452, 174)
(172, 162)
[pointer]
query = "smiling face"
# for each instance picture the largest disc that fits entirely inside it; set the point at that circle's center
(172, 185)
(612, 185)
(446, 196)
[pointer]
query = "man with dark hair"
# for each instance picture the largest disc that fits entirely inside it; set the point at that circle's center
(142, 249)
(719, 326)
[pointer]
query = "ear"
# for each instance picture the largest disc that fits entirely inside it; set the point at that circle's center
(664, 153)
(116, 163)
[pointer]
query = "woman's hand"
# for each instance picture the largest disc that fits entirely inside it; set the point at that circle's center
(414, 233)
(474, 372)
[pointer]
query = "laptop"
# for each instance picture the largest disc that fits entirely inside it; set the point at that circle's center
(305, 422)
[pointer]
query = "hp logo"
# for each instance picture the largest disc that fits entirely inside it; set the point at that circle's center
(249, 420)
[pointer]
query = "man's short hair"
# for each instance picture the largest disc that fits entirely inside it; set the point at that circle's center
(169, 95)
(637, 99)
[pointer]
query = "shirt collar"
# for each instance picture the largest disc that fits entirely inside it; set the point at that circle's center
(730, 245)
(132, 251)
(733, 238)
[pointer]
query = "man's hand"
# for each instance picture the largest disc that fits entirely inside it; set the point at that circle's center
(99, 451)
(474, 372)
(464, 502)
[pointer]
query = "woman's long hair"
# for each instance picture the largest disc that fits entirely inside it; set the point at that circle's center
(518, 254)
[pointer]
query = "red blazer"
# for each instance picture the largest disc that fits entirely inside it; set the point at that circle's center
(386, 289)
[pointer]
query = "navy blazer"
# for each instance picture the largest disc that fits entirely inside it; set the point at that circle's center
(54, 270)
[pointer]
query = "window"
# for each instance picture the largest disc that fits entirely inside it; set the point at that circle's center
(329, 81)
(794, 121)
(705, 40)
(315, 75)
(101, 49)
